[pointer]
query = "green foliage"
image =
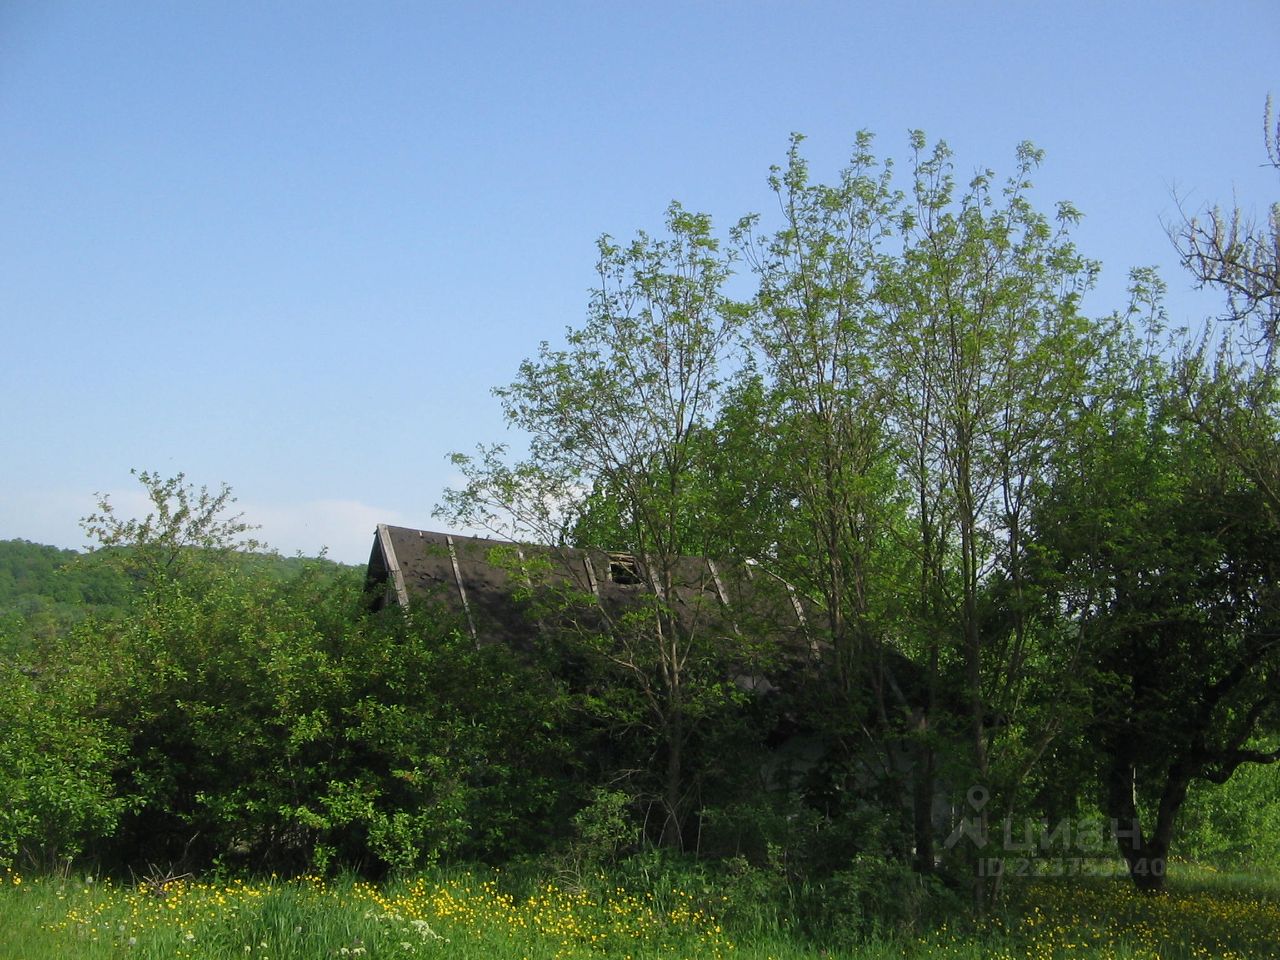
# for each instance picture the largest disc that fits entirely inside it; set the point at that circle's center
(1236, 824)
(184, 523)
(252, 712)
(603, 831)
(60, 576)
(1031, 550)
(274, 726)
(919, 430)
(1163, 553)
(56, 764)
(45, 592)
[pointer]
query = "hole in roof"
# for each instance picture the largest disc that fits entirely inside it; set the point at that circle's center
(624, 570)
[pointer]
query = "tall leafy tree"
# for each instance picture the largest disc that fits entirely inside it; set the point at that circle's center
(814, 327)
(814, 319)
(1173, 524)
(621, 412)
(985, 351)
(1167, 561)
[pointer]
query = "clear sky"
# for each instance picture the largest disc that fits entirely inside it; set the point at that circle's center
(292, 246)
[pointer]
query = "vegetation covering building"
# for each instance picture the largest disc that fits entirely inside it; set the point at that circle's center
(504, 592)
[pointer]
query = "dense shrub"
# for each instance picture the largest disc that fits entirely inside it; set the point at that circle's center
(56, 761)
(1237, 823)
(237, 718)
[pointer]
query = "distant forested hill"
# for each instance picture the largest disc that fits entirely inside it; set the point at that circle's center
(45, 590)
(32, 569)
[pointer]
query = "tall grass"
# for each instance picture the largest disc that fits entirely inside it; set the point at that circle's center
(492, 914)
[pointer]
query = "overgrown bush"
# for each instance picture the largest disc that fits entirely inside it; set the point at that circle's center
(236, 718)
(283, 726)
(56, 761)
(1237, 823)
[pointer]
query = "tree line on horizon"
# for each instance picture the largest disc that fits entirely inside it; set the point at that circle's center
(46, 590)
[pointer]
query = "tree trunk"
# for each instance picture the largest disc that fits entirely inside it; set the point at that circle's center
(922, 800)
(673, 782)
(1146, 856)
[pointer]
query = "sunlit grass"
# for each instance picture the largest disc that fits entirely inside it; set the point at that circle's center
(489, 914)
(462, 916)
(1203, 915)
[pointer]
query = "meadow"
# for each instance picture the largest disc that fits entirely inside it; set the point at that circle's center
(487, 913)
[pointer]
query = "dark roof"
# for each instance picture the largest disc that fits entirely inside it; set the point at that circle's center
(487, 583)
(491, 585)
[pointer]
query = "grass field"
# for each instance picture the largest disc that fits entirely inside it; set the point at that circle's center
(486, 914)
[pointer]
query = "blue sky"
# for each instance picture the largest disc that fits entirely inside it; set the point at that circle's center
(292, 246)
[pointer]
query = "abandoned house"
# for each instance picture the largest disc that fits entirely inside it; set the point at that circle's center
(489, 585)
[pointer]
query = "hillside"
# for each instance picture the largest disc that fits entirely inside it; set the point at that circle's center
(45, 590)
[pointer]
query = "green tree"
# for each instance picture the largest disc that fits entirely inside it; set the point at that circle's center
(813, 324)
(185, 527)
(1166, 561)
(620, 413)
(983, 354)
(822, 445)
(1213, 428)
